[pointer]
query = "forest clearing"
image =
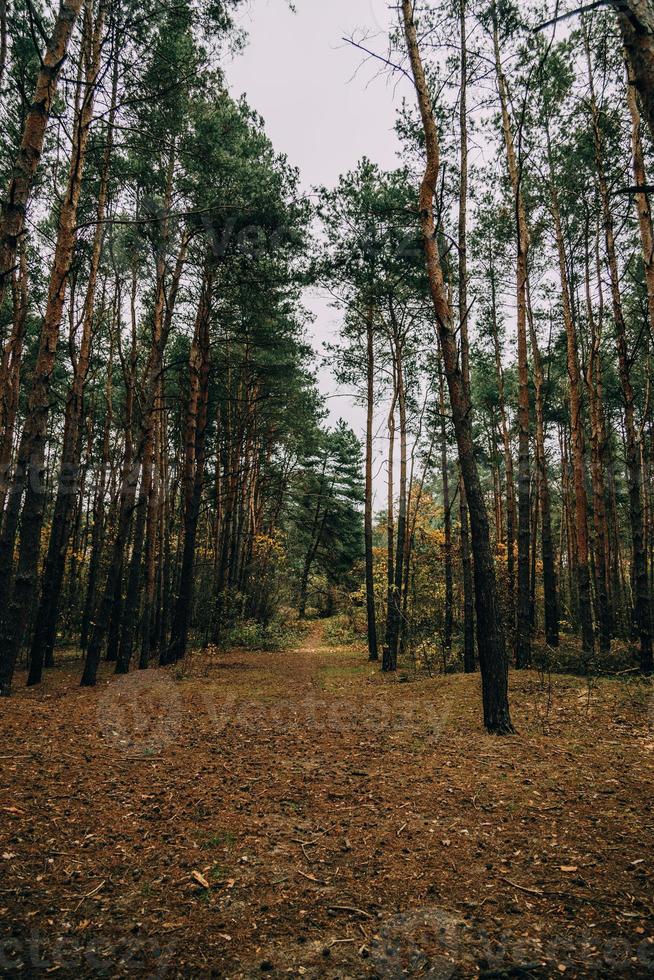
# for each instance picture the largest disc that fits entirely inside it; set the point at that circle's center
(298, 813)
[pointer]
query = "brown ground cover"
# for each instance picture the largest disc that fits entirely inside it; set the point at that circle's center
(298, 814)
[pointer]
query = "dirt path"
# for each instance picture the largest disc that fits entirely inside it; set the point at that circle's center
(299, 814)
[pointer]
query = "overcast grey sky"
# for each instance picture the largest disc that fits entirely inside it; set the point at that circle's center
(322, 106)
(298, 73)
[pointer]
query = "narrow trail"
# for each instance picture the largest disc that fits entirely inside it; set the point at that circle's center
(297, 813)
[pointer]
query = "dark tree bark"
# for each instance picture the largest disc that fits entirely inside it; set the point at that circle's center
(551, 602)
(636, 20)
(576, 429)
(639, 553)
(490, 640)
(31, 455)
(523, 627)
(14, 204)
(194, 456)
(373, 652)
(43, 640)
(448, 620)
(466, 558)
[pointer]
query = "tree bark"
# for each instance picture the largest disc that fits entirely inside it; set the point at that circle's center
(10, 376)
(576, 428)
(639, 553)
(194, 456)
(636, 20)
(448, 620)
(373, 652)
(162, 322)
(466, 558)
(551, 602)
(594, 386)
(31, 456)
(14, 205)
(43, 640)
(490, 641)
(523, 629)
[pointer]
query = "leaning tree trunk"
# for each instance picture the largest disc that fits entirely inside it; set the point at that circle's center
(490, 639)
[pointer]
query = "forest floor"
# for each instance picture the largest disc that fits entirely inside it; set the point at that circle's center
(299, 814)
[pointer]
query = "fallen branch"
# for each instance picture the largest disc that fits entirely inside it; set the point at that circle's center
(350, 908)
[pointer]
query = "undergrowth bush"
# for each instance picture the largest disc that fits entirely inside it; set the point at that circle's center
(278, 634)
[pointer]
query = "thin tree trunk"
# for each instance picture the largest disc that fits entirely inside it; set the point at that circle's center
(551, 602)
(639, 554)
(53, 573)
(490, 640)
(194, 456)
(373, 652)
(10, 376)
(162, 322)
(388, 663)
(594, 386)
(447, 526)
(523, 629)
(14, 204)
(576, 429)
(508, 455)
(31, 456)
(466, 557)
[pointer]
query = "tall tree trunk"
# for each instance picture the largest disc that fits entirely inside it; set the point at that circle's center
(490, 640)
(151, 531)
(594, 387)
(639, 554)
(194, 455)
(508, 455)
(162, 321)
(31, 456)
(373, 652)
(10, 376)
(523, 629)
(388, 662)
(14, 204)
(53, 572)
(395, 613)
(636, 20)
(447, 526)
(576, 428)
(466, 557)
(551, 601)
